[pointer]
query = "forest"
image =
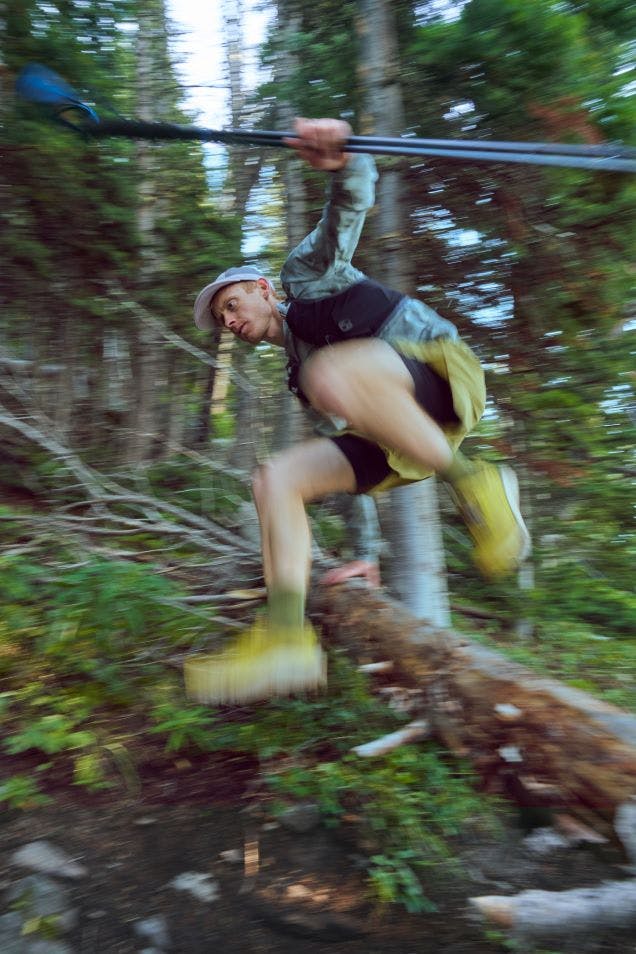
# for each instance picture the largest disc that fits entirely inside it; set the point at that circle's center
(129, 539)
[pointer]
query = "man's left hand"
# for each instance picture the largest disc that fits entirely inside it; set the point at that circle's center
(357, 568)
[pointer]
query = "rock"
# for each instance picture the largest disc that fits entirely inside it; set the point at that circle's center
(200, 885)
(510, 753)
(155, 930)
(11, 940)
(507, 712)
(543, 841)
(233, 856)
(38, 897)
(47, 947)
(47, 859)
(301, 818)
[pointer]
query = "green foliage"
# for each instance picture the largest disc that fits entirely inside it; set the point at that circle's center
(394, 880)
(183, 726)
(323, 48)
(89, 771)
(85, 646)
(329, 529)
(74, 216)
(411, 803)
(224, 425)
(50, 734)
(584, 595)
(87, 620)
(45, 926)
(22, 792)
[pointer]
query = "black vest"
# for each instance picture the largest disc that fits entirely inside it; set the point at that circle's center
(356, 312)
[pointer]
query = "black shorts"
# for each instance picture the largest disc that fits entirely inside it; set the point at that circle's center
(367, 459)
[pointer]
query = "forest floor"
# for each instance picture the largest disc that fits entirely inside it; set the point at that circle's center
(175, 814)
(310, 893)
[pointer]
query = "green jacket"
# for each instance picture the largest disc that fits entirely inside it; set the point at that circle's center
(321, 264)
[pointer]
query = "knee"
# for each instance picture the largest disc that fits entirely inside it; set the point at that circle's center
(269, 480)
(262, 483)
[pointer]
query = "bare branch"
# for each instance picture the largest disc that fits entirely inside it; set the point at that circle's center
(413, 732)
(171, 337)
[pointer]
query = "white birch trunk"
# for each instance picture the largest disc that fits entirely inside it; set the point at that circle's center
(145, 345)
(416, 572)
(243, 451)
(287, 429)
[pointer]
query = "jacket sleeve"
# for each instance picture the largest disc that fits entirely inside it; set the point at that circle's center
(321, 264)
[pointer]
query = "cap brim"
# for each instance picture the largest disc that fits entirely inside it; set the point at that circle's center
(202, 315)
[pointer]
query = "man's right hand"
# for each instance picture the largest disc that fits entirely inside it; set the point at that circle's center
(320, 142)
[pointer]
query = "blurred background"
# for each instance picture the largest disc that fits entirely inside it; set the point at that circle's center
(128, 435)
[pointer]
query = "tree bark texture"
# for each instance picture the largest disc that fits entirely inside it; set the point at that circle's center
(145, 346)
(242, 177)
(286, 429)
(416, 572)
(529, 737)
(202, 427)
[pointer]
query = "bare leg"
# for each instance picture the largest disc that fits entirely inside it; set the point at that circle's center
(282, 487)
(280, 654)
(365, 382)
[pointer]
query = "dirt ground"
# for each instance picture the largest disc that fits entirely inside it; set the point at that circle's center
(310, 893)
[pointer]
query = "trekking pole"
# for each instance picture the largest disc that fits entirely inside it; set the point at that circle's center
(40, 85)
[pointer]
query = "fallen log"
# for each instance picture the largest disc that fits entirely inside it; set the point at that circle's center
(532, 738)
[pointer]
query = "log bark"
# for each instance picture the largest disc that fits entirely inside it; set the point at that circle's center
(529, 737)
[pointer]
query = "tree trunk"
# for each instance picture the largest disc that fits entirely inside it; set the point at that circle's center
(416, 568)
(202, 427)
(287, 425)
(416, 572)
(243, 454)
(145, 344)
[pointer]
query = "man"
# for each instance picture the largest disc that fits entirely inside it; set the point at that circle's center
(391, 373)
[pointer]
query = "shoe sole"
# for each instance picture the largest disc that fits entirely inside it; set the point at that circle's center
(280, 671)
(511, 490)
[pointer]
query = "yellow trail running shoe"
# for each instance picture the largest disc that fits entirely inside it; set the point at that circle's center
(488, 500)
(260, 663)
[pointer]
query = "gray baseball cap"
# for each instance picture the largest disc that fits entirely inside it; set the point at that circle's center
(244, 273)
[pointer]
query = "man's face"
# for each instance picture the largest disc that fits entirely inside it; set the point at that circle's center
(245, 309)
